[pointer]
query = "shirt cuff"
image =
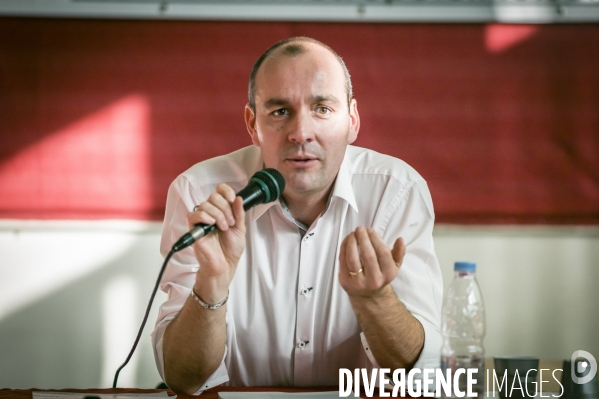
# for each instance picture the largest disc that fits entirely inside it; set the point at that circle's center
(369, 354)
(430, 357)
(220, 376)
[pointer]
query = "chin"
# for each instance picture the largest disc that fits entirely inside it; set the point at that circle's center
(298, 186)
(296, 180)
(301, 183)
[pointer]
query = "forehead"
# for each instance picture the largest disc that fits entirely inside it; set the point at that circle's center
(315, 70)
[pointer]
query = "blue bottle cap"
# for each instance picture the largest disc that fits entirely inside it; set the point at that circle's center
(464, 267)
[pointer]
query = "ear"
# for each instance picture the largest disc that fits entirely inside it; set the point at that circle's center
(250, 124)
(354, 121)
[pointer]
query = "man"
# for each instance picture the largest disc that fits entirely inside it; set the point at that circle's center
(338, 273)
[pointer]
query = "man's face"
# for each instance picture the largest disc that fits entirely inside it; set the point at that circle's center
(302, 121)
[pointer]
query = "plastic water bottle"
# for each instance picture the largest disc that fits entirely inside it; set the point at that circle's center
(463, 327)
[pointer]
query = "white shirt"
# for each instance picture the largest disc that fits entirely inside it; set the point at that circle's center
(289, 322)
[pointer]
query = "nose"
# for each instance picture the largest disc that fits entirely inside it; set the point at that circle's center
(301, 129)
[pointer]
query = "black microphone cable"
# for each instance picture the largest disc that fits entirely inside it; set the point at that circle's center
(264, 186)
(145, 319)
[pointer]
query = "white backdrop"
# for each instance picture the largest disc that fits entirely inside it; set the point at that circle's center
(72, 295)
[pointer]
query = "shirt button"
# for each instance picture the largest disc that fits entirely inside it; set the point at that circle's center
(303, 344)
(306, 290)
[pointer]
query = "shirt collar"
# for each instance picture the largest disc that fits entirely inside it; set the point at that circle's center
(259, 209)
(343, 186)
(342, 189)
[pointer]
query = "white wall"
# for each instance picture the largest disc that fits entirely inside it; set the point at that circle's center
(72, 295)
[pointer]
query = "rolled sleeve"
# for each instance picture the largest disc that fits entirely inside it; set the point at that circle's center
(431, 351)
(220, 376)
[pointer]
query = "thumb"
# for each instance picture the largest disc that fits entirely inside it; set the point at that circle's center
(398, 251)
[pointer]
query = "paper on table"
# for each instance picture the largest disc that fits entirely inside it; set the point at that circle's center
(280, 395)
(81, 395)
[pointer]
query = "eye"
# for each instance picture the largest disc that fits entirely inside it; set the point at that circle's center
(322, 110)
(280, 112)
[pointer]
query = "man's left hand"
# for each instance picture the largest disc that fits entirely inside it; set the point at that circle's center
(367, 264)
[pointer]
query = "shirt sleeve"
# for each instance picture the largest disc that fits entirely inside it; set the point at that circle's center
(419, 283)
(179, 275)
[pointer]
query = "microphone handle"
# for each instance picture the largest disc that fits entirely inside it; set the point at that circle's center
(252, 195)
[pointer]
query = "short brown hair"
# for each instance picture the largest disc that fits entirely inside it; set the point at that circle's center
(293, 47)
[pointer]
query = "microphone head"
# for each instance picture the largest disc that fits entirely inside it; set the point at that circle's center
(274, 182)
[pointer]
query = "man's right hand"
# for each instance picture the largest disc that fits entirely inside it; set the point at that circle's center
(218, 253)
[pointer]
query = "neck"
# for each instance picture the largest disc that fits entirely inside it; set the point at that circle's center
(306, 208)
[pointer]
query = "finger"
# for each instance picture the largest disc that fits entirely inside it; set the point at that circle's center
(368, 255)
(199, 216)
(344, 269)
(342, 254)
(352, 256)
(224, 205)
(399, 251)
(226, 191)
(209, 209)
(387, 264)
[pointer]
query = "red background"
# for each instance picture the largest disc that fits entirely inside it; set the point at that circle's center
(97, 117)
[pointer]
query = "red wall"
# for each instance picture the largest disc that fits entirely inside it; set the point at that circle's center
(97, 117)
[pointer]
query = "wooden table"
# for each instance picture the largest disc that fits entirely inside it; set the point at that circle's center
(209, 394)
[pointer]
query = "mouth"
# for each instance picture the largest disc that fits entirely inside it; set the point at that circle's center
(302, 160)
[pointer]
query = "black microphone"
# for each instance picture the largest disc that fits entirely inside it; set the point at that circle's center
(264, 186)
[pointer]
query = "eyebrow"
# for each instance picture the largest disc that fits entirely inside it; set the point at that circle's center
(326, 98)
(275, 102)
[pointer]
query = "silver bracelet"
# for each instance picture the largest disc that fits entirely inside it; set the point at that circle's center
(207, 305)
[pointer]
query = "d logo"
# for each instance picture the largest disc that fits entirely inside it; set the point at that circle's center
(581, 367)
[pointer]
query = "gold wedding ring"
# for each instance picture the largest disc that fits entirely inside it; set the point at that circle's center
(195, 208)
(355, 273)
